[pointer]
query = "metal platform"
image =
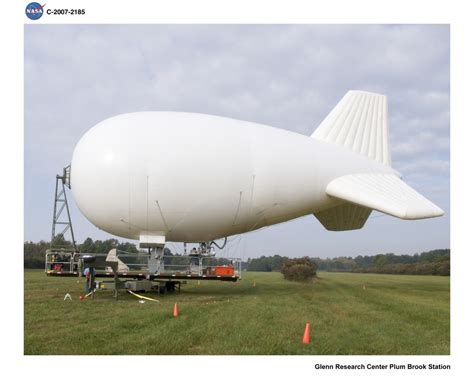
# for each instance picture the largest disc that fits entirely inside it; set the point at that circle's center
(68, 263)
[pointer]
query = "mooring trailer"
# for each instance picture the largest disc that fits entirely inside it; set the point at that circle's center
(138, 272)
(142, 271)
(67, 262)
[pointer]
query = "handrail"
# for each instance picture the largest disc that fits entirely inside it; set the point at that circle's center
(63, 261)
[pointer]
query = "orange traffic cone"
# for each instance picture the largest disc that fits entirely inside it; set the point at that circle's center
(306, 334)
(175, 310)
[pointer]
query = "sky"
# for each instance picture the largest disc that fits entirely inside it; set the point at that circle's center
(286, 76)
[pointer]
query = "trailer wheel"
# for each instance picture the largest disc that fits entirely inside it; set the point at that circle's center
(170, 286)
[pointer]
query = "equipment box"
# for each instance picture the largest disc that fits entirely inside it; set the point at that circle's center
(224, 270)
(138, 285)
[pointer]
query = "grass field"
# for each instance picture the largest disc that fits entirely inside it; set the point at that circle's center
(392, 315)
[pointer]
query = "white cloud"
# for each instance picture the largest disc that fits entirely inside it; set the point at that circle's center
(427, 167)
(420, 143)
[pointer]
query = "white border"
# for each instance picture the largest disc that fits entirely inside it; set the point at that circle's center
(207, 11)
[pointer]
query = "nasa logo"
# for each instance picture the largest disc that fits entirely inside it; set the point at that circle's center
(34, 11)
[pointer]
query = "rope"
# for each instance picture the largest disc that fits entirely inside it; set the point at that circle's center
(143, 297)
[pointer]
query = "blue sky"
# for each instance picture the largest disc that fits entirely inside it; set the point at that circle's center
(287, 76)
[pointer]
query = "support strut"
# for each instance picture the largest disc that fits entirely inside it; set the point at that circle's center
(60, 205)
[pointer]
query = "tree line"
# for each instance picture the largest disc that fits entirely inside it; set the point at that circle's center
(434, 262)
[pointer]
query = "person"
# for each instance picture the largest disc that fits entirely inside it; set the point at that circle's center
(90, 282)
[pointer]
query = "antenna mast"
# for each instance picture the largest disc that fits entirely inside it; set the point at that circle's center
(61, 204)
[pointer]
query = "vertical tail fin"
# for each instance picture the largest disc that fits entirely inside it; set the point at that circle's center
(359, 122)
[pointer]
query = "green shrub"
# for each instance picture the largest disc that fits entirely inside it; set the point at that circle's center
(299, 269)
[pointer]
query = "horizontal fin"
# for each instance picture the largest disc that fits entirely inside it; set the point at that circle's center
(346, 216)
(386, 193)
(359, 122)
